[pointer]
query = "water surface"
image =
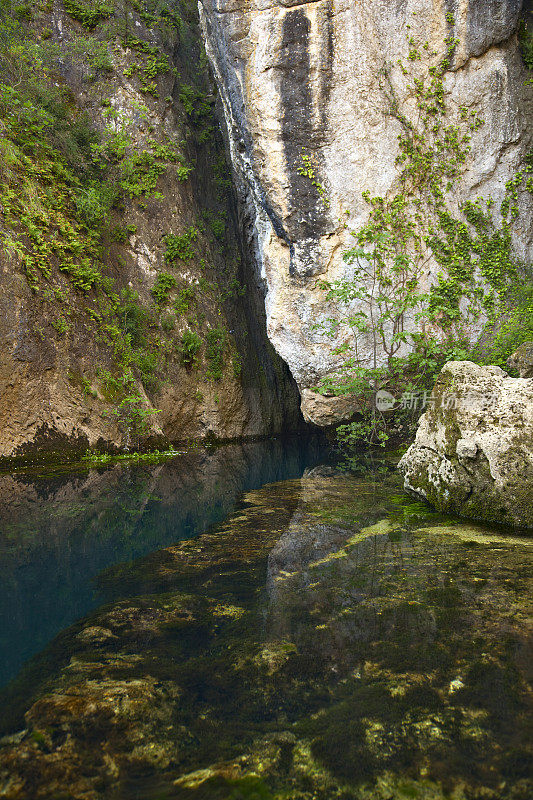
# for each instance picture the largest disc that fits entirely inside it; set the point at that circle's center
(57, 533)
(329, 639)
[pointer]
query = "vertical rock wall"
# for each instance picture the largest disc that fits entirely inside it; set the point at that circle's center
(300, 86)
(52, 394)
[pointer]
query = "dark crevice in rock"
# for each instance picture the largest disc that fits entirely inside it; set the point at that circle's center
(301, 136)
(237, 127)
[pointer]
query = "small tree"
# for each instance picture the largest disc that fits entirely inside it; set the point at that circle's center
(133, 417)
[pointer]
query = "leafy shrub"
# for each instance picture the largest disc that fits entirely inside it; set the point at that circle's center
(132, 317)
(98, 58)
(189, 349)
(84, 276)
(150, 65)
(94, 202)
(180, 246)
(513, 331)
(140, 173)
(236, 364)
(218, 227)
(89, 12)
(168, 322)
(216, 222)
(184, 300)
(214, 353)
(162, 287)
(194, 101)
(183, 171)
(133, 417)
(61, 325)
(147, 363)
(120, 233)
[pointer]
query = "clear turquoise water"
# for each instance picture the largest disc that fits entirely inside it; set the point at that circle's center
(57, 534)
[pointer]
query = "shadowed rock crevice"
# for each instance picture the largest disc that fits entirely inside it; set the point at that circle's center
(303, 132)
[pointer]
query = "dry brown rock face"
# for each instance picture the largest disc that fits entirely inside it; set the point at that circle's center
(304, 79)
(50, 395)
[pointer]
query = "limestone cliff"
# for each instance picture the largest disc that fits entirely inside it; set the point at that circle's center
(124, 286)
(310, 129)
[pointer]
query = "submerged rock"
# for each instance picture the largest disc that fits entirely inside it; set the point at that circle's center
(473, 452)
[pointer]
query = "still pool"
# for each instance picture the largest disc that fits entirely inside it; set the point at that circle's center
(252, 622)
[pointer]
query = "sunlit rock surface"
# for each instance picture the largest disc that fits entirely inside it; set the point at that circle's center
(473, 452)
(303, 78)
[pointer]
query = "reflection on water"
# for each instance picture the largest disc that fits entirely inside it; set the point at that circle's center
(330, 640)
(57, 534)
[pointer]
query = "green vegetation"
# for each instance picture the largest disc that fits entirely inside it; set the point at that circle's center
(233, 290)
(180, 246)
(236, 365)
(94, 458)
(61, 325)
(217, 224)
(122, 233)
(133, 318)
(525, 38)
(168, 322)
(184, 300)
(164, 283)
(151, 65)
(89, 12)
(512, 331)
(479, 276)
(140, 171)
(194, 102)
(214, 353)
(67, 186)
(95, 201)
(133, 416)
(307, 169)
(190, 346)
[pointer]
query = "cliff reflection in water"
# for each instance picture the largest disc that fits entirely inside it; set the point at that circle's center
(57, 534)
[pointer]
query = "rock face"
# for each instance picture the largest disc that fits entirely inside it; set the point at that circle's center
(473, 452)
(326, 411)
(522, 360)
(57, 339)
(309, 131)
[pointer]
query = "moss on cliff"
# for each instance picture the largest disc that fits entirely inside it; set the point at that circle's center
(110, 151)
